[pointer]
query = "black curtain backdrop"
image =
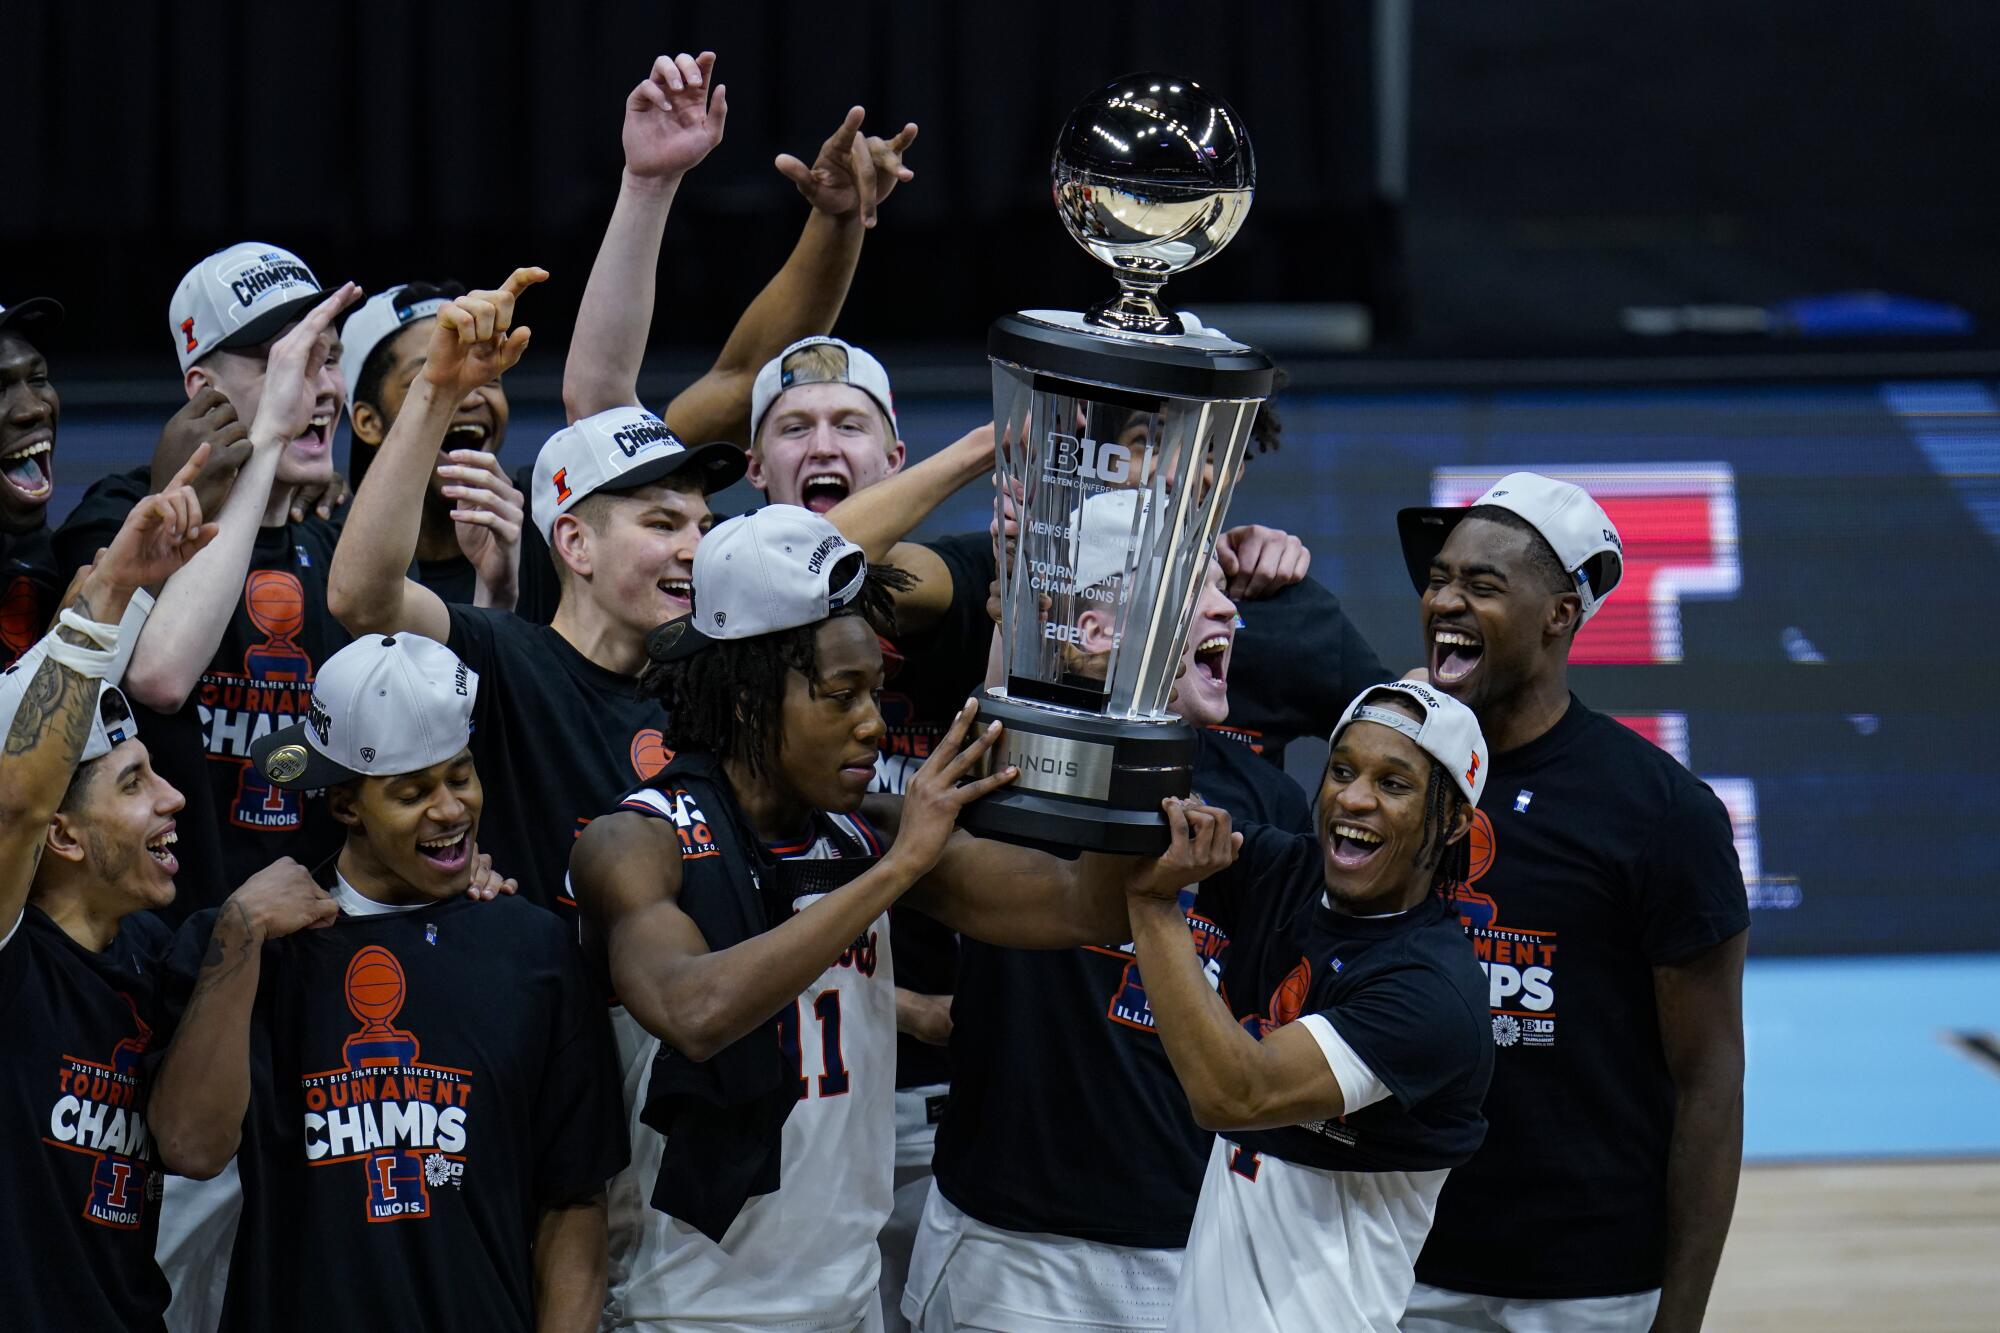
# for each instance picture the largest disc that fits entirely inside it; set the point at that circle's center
(391, 141)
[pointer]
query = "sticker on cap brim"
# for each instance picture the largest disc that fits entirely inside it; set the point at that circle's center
(287, 763)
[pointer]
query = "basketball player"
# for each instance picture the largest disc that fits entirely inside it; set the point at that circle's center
(1344, 1057)
(418, 1085)
(761, 975)
(1067, 1161)
(1610, 884)
(30, 411)
(86, 846)
(561, 731)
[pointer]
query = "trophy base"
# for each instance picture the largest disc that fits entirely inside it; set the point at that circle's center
(1087, 783)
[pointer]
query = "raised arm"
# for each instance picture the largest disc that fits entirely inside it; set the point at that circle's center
(878, 517)
(202, 1090)
(369, 589)
(58, 698)
(194, 609)
(626, 872)
(852, 175)
(671, 123)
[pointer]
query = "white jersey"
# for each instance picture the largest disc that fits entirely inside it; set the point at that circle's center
(1277, 1246)
(802, 1259)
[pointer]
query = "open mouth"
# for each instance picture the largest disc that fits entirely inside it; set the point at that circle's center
(680, 591)
(27, 469)
(823, 490)
(1354, 846)
(160, 848)
(448, 853)
(1454, 654)
(1211, 659)
(469, 435)
(319, 434)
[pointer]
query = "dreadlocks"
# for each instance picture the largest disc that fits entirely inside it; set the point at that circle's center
(727, 699)
(1452, 860)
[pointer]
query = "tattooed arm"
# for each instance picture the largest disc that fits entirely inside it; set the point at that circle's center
(203, 1088)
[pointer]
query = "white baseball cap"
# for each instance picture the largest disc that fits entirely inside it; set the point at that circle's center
(621, 449)
(381, 317)
(1448, 733)
(1574, 525)
(382, 706)
(239, 297)
(864, 372)
(112, 723)
(1107, 526)
(766, 571)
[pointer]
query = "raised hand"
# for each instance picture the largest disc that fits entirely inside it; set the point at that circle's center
(939, 791)
(1201, 844)
(671, 119)
(279, 900)
(487, 883)
(291, 372)
(486, 514)
(210, 416)
(474, 341)
(161, 533)
(1259, 561)
(853, 172)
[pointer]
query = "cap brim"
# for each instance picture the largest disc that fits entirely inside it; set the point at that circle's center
(35, 319)
(676, 641)
(718, 464)
(272, 322)
(287, 759)
(1423, 533)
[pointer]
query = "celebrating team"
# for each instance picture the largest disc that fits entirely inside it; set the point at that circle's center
(411, 913)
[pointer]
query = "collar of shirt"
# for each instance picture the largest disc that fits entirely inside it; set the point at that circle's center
(352, 903)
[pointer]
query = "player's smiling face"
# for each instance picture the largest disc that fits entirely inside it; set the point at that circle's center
(122, 827)
(1371, 820)
(29, 414)
(642, 554)
(479, 423)
(1201, 696)
(412, 837)
(820, 443)
(830, 730)
(1490, 624)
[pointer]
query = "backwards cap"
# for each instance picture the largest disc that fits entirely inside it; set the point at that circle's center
(1575, 526)
(239, 297)
(380, 318)
(863, 371)
(381, 707)
(111, 723)
(758, 574)
(1448, 733)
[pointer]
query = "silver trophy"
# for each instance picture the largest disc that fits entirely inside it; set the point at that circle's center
(1120, 435)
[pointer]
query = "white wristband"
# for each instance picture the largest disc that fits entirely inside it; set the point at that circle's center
(90, 663)
(103, 635)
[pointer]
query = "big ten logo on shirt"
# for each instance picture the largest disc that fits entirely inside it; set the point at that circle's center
(98, 1111)
(1519, 962)
(273, 691)
(400, 1124)
(1127, 1005)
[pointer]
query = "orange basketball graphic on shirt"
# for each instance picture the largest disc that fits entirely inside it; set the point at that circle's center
(374, 985)
(275, 601)
(1289, 1000)
(20, 616)
(1479, 845)
(649, 753)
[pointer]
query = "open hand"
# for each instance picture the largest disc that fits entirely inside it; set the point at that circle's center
(291, 372)
(161, 533)
(475, 342)
(279, 900)
(939, 791)
(671, 119)
(486, 515)
(210, 416)
(854, 172)
(1201, 844)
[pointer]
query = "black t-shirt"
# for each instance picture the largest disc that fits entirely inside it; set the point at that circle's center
(258, 680)
(538, 592)
(29, 587)
(424, 1084)
(930, 676)
(81, 1179)
(1596, 858)
(557, 738)
(452, 578)
(1065, 1115)
(1404, 991)
(1297, 663)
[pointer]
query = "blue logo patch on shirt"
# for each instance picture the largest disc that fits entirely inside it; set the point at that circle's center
(1521, 799)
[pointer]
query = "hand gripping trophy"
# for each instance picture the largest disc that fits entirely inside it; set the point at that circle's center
(1121, 432)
